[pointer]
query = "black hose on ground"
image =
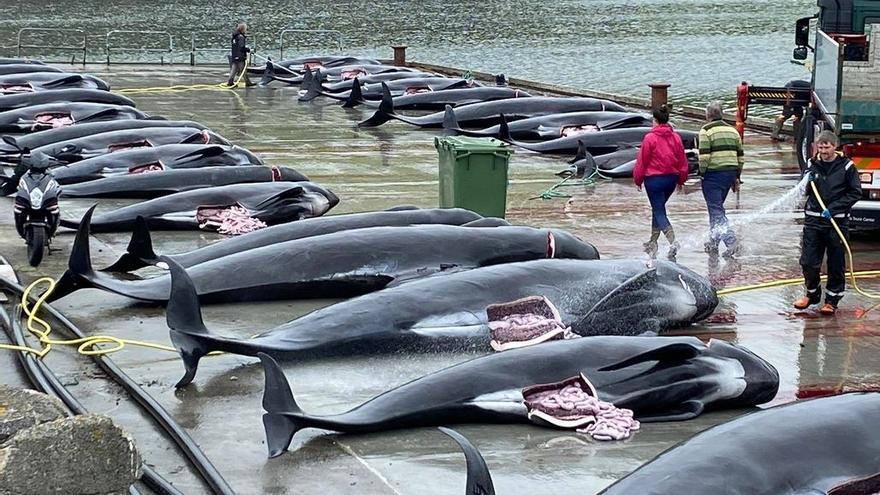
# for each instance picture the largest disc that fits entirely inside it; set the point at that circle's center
(184, 442)
(47, 382)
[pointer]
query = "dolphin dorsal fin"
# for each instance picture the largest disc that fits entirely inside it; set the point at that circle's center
(479, 481)
(678, 351)
(203, 152)
(627, 286)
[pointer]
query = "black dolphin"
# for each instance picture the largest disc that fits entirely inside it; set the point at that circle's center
(659, 379)
(544, 127)
(140, 248)
(11, 154)
(395, 87)
(597, 142)
(339, 86)
(269, 202)
(53, 115)
(340, 264)
(433, 100)
(301, 64)
(171, 181)
(825, 446)
(150, 159)
(341, 74)
(85, 147)
(614, 165)
(12, 102)
(48, 81)
(489, 113)
(558, 298)
(22, 68)
(7, 61)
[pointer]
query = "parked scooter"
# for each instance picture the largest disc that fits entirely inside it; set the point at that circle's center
(36, 205)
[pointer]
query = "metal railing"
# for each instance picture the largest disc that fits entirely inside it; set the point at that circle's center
(154, 42)
(331, 32)
(194, 50)
(82, 47)
(169, 49)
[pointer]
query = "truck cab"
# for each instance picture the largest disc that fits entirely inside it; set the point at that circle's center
(845, 91)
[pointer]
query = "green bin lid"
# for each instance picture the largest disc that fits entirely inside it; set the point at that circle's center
(467, 143)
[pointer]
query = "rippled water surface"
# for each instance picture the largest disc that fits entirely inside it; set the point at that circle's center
(703, 48)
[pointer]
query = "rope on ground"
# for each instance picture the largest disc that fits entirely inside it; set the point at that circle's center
(590, 180)
(193, 87)
(87, 346)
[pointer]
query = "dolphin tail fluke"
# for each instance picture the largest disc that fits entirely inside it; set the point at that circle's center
(478, 478)
(139, 252)
(79, 265)
(589, 165)
(312, 87)
(504, 129)
(450, 123)
(183, 315)
(385, 111)
(279, 421)
(581, 152)
(355, 97)
(268, 75)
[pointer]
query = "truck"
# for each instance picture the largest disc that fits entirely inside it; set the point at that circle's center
(843, 96)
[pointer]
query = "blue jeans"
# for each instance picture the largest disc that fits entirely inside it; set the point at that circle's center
(716, 185)
(659, 189)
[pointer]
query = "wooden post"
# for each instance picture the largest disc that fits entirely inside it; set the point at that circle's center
(399, 55)
(659, 94)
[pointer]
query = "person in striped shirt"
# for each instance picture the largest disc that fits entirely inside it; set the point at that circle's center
(721, 164)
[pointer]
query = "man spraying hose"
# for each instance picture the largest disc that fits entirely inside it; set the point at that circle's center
(239, 56)
(837, 182)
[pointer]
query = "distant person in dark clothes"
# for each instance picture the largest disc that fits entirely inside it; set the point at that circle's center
(789, 111)
(661, 165)
(837, 180)
(239, 56)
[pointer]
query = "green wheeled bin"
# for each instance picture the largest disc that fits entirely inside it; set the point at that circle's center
(473, 174)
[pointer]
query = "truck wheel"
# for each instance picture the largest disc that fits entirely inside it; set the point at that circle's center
(36, 245)
(804, 137)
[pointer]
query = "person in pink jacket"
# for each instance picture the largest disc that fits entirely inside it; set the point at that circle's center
(660, 166)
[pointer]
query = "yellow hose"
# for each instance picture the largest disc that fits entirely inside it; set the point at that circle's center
(194, 87)
(792, 281)
(86, 345)
(849, 255)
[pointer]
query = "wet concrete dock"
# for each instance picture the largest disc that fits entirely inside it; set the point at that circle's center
(397, 164)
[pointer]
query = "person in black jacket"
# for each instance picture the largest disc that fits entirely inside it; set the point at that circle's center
(837, 181)
(789, 110)
(239, 55)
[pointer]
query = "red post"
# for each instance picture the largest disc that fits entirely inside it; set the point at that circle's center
(742, 107)
(399, 55)
(659, 94)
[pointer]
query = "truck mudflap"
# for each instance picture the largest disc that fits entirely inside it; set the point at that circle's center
(865, 215)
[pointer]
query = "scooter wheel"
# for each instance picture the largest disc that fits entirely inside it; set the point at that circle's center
(36, 245)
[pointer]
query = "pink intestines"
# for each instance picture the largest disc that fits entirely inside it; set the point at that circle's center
(233, 220)
(51, 120)
(572, 401)
(520, 327)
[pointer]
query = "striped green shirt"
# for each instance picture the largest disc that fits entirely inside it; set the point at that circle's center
(720, 148)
